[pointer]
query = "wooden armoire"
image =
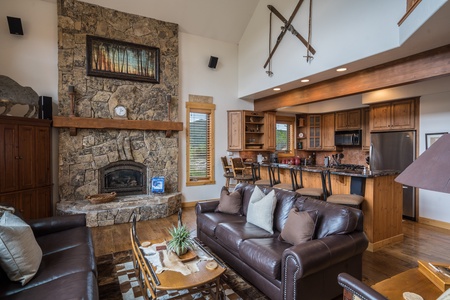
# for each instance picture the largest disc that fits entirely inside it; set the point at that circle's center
(25, 165)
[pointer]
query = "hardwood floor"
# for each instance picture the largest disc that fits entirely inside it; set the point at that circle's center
(421, 242)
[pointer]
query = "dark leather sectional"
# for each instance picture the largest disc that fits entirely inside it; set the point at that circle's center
(281, 270)
(68, 269)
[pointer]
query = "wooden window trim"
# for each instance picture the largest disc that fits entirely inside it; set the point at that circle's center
(206, 108)
(291, 121)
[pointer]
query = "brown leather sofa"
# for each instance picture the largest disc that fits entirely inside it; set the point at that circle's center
(281, 270)
(68, 269)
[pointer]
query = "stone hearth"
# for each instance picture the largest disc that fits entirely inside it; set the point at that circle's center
(146, 207)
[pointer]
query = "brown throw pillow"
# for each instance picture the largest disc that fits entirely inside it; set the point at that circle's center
(230, 203)
(299, 227)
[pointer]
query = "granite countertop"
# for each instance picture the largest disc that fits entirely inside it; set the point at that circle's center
(343, 172)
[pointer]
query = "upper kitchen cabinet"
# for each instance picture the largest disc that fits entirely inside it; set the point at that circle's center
(314, 132)
(365, 129)
(397, 115)
(270, 122)
(348, 120)
(328, 132)
(250, 130)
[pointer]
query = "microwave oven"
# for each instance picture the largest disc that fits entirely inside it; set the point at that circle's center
(347, 138)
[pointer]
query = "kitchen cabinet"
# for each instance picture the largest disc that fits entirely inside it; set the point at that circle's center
(366, 129)
(328, 132)
(25, 165)
(270, 123)
(235, 131)
(314, 132)
(398, 115)
(348, 120)
(251, 131)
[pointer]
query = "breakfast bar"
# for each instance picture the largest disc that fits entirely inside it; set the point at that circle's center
(382, 206)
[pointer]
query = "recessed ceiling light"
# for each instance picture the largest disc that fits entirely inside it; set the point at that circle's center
(341, 69)
(304, 80)
(277, 89)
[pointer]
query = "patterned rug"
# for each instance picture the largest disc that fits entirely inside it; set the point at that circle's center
(117, 281)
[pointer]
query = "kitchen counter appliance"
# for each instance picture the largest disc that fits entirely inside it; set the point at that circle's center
(395, 151)
(347, 138)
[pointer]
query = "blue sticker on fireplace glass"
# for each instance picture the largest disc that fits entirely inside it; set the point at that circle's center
(158, 185)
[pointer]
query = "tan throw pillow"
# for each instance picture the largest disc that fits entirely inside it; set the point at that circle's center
(299, 227)
(261, 208)
(230, 203)
(20, 254)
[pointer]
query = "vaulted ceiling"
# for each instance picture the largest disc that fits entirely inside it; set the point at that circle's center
(223, 20)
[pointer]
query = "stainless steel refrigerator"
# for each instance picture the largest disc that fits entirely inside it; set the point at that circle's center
(395, 151)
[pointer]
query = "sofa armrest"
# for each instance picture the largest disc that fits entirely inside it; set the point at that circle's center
(57, 223)
(206, 206)
(317, 255)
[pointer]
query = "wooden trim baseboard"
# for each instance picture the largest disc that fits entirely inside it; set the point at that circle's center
(373, 247)
(193, 203)
(434, 223)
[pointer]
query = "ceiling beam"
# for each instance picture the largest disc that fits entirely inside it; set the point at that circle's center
(426, 65)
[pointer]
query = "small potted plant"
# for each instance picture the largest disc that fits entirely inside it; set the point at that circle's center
(181, 240)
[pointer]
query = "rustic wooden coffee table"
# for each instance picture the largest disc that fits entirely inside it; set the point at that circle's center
(150, 282)
(410, 281)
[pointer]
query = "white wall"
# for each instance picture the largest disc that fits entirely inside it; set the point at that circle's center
(342, 31)
(221, 84)
(32, 59)
(434, 117)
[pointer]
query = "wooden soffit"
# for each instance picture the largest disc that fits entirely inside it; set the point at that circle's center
(418, 67)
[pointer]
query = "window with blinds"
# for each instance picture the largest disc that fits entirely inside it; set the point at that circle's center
(200, 143)
(285, 134)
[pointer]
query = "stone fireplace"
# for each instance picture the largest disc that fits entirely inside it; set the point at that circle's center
(102, 160)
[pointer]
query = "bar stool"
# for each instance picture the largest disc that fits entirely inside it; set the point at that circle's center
(354, 199)
(297, 181)
(256, 169)
(227, 171)
(240, 171)
(274, 175)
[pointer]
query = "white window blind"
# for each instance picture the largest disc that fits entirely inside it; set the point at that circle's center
(199, 145)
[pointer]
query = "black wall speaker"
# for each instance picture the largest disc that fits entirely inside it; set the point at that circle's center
(15, 26)
(213, 62)
(45, 107)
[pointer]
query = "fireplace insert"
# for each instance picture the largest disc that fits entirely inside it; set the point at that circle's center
(123, 177)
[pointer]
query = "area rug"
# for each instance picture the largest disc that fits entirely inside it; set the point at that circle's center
(117, 281)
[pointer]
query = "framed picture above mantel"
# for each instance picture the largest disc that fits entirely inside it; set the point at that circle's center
(121, 60)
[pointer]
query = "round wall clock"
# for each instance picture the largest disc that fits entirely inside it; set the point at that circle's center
(120, 111)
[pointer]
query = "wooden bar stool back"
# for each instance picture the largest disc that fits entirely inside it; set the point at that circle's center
(240, 171)
(227, 171)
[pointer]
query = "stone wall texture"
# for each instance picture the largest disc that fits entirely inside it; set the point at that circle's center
(82, 155)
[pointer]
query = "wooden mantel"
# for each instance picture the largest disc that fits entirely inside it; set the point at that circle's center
(76, 122)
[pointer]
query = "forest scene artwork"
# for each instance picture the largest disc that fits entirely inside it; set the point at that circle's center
(121, 60)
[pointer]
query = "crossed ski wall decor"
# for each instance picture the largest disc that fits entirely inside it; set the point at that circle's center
(288, 27)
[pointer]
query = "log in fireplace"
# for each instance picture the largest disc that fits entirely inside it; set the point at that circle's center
(124, 177)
